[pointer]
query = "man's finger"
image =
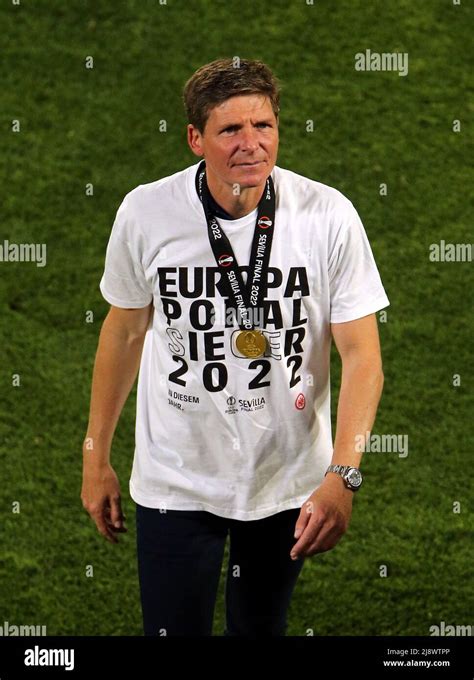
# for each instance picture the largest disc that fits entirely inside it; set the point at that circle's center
(302, 521)
(325, 540)
(108, 535)
(108, 516)
(103, 529)
(117, 530)
(110, 523)
(308, 536)
(116, 516)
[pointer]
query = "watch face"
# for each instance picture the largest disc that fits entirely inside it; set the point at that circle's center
(354, 477)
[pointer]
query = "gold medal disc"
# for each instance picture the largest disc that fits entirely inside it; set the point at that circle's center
(251, 343)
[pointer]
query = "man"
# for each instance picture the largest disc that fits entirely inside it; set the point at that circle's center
(232, 275)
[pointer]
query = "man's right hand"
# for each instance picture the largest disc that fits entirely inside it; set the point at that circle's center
(100, 496)
(115, 369)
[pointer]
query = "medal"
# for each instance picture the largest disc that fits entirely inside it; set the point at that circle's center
(251, 343)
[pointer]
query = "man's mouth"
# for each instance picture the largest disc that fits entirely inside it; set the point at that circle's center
(248, 165)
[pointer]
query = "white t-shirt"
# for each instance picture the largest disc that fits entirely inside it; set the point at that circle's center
(238, 437)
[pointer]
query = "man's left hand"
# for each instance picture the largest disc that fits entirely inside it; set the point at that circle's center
(324, 518)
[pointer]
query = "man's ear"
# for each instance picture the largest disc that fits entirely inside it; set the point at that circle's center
(194, 138)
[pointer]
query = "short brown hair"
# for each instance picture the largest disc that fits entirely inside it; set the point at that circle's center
(213, 83)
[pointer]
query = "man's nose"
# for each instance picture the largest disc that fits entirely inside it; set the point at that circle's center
(248, 139)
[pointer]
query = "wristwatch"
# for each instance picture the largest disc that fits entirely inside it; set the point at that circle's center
(352, 476)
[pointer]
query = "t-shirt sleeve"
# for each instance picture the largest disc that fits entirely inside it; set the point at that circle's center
(123, 282)
(355, 286)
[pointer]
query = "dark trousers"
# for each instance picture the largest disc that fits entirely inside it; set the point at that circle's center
(180, 555)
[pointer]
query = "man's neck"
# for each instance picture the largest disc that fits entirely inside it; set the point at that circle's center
(236, 205)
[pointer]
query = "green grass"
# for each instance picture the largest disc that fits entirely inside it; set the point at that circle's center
(101, 126)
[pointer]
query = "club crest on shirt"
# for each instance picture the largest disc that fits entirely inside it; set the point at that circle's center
(300, 401)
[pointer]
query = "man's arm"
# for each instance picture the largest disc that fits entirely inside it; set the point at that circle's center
(325, 516)
(115, 369)
(361, 386)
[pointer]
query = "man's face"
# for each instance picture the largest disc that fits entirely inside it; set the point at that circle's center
(240, 140)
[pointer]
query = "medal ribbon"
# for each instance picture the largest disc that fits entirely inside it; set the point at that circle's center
(247, 297)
